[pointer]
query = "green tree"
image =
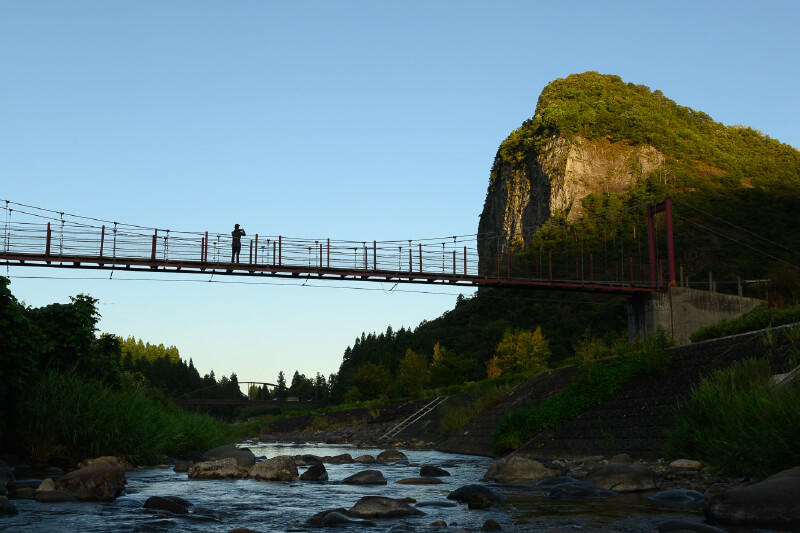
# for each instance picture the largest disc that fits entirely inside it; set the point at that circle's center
(281, 391)
(372, 380)
(413, 372)
(519, 351)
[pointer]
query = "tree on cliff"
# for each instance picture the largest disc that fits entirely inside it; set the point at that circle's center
(519, 351)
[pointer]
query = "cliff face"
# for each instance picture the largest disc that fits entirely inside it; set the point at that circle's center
(550, 181)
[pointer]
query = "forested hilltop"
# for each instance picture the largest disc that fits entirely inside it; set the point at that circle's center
(595, 149)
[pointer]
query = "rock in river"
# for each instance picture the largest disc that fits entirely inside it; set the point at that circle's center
(381, 507)
(366, 477)
(218, 469)
(772, 503)
(476, 496)
(435, 471)
(170, 504)
(315, 472)
(622, 477)
(420, 481)
(518, 468)
(100, 481)
(6, 507)
(244, 457)
(391, 456)
(280, 468)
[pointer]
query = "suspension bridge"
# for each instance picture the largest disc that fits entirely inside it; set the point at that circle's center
(38, 237)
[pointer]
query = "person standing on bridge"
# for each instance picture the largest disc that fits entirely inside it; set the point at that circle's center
(237, 235)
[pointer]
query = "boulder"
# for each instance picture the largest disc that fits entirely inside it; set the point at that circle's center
(435, 471)
(217, 469)
(438, 523)
(420, 481)
(381, 507)
(518, 468)
(46, 485)
(280, 468)
(110, 459)
(621, 458)
(54, 496)
(244, 457)
(6, 474)
(100, 481)
(170, 504)
(366, 459)
(437, 504)
(557, 481)
(316, 520)
(342, 459)
(677, 497)
(491, 525)
(366, 477)
(307, 459)
(335, 518)
(476, 496)
(686, 464)
(771, 503)
(315, 472)
(622, 477)
(6, 507)
(391, 456)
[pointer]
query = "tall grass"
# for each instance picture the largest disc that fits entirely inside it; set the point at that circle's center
(759, 318)
(739, 423)
(70, 417)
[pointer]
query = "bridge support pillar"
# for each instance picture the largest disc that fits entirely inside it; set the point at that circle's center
(680, 311)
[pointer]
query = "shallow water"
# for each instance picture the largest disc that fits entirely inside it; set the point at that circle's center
(285, 506)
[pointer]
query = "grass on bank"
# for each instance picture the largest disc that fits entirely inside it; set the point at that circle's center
(70, 418)
(759, 318)
(739, 423)
(598, 381)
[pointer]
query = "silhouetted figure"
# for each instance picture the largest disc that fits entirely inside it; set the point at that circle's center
(237, 235)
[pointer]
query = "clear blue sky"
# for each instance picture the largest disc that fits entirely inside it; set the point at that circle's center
(356, 120)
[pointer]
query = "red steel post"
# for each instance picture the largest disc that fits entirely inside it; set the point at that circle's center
(651, 242)
(102, 238)
(280, 250)
(577, 272)
(47, 243)
(465, 260)
(329, 253)
(630, 262)
(205, 250)
(508, 264)
(153, 252)
(410, 268)
(250, 259)
(550, 263)
(256, 255)
(374, 255)
(420, 257)
(670, 242)
(273, 252)
(591, 267)
(454, 262)
(202, 248)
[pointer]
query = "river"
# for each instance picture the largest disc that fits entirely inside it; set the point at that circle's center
(278, 506)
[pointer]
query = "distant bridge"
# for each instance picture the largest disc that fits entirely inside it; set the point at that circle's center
(185, 399)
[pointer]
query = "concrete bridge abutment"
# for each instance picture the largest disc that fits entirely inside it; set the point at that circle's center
(680, 311)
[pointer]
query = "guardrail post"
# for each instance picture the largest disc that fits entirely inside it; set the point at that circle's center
(153, 252)
(250, 259)
(205, 250)
(280, 250)
(465, 260)
(374, 255)
(591, 267)
(256, 256)
(550, 263)
(102, 238)
(420, 257)
(329, 252)
(47, 243)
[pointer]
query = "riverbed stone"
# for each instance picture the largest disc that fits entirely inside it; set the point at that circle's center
(579, 491)
(100, 481)
(420, 481)
(23, 493)
(773, 502)
(280, 468)
(315, 472)
(431, 470)
(491, 525)
(216, 469)
(169, 504)
(46, 485)
(391, 456)
(244, 457)
(366, 477)
(556, 481)
(518, 468)
(686, 464)
(6, 507)
(316, 520)
(307, 459)
(6, 474)
(621, 458)
(341, 459)
(621, 477)
(54, 496)
(382, 507)
(109, 459)
(182, 465)
(476, 496)
(338, 519)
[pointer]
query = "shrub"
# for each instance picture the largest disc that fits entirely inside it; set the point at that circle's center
(739, 423)
(759, 318)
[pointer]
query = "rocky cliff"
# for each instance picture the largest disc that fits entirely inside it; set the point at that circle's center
(595, 134)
